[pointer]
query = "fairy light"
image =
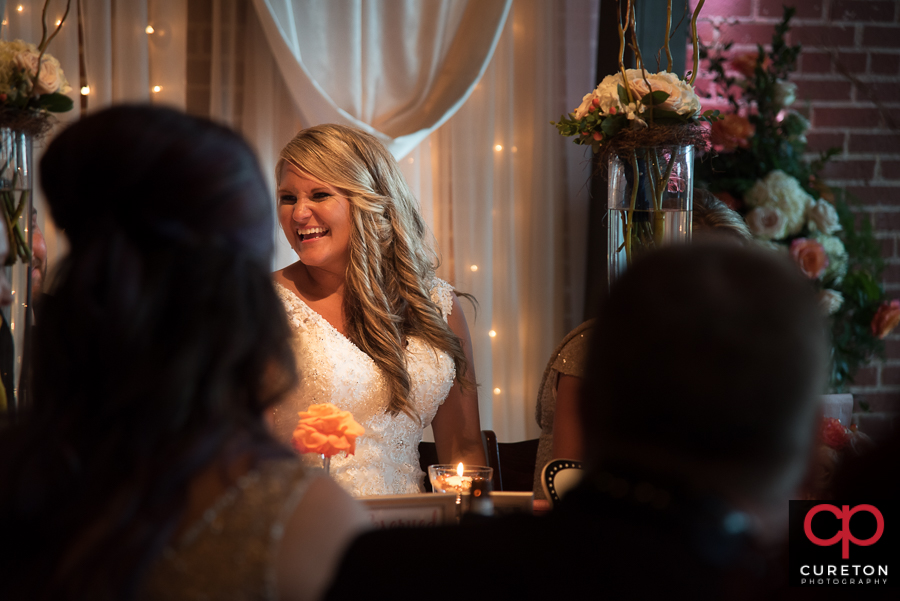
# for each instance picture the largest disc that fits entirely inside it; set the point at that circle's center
(496, 391)
(515, 149)
(20, 8)
(498, 148)
(149, 29)
(157, 89)
(474, 268)
(492, 333)
(58, 22)
(85, 90)
(410, 160)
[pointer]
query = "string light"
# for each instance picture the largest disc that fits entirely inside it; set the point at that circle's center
(20, 8)
(492, 334)
(498, 147)
(157, 89)
(515, 150)
(410, 160)
(149, 29)
(58, 22)
(474, 268)
(85, 90)
(496, 391)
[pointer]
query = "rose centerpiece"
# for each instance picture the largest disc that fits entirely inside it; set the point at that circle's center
(326, 430)
(645, 126)
(32, 86)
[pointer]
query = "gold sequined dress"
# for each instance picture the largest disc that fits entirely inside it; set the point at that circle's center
(569, 358)
(229, 554)
(334, 370)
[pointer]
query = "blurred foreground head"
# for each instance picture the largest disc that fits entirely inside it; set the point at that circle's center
(708, 363)
(166, 286)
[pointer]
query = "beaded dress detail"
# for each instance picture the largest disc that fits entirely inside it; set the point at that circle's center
(230, 552)
(334, 370)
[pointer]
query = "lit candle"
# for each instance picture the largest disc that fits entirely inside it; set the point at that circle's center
(458, 483)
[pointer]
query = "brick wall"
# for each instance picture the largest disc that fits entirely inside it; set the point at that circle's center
(849, 87)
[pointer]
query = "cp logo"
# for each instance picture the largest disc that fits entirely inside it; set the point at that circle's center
(844, 535)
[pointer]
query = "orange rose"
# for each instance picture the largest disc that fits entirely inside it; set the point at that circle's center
(745, 64)
(886, 318)
(730, 132)
(326, 430)
(810, 256)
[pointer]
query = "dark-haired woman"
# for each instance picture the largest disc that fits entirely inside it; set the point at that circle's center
(144, 468)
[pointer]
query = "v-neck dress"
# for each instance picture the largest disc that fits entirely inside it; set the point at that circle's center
(334, 370)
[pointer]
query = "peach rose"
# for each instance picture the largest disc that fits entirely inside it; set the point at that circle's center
(51, 78)
(326, 430)
(886, 318)
(745, 64)
(731, 132)
(810, 256)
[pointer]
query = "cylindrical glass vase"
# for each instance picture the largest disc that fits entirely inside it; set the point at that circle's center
(16, 195)
(654, 213)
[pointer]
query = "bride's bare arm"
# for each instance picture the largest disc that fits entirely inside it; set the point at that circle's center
(457, 428)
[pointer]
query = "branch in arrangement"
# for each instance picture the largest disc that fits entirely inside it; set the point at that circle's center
(668, 30)
(45, 41)
(695, 41)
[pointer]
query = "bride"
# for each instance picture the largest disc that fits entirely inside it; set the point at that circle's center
(375, 332)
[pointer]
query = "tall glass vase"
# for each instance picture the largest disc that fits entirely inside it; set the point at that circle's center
(653, 212)
(16, 196)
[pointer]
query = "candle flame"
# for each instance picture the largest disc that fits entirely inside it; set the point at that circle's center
(459, 469)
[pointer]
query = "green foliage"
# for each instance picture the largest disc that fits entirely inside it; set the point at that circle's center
(779, 143)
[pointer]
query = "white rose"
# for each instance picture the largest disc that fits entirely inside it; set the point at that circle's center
(823, 217)
(780, 190)
(585, 107)
(838, 259)
(27, 60)
(785, 93)
(51, 78)
(682, 98)
(767, 223)
(830, 301)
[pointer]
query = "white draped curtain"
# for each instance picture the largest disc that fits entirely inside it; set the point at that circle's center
(461, 91)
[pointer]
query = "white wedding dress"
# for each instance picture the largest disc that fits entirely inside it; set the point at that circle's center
(334, 370)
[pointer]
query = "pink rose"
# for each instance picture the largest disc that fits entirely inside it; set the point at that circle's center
(326, 430)
(886, 318)
(810, 256)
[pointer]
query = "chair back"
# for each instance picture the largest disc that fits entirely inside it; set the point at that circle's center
(559, 476)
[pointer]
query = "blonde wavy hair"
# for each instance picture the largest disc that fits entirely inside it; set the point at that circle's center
(391, 265)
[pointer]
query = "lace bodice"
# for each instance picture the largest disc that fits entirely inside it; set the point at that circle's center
(334, 370)
(230, 552)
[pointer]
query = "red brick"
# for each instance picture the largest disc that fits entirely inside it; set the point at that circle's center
(725, 8)
(888, 248)
(845, 117)
(704, 32)
(850, 62)
(885, 64)
(878, 90)
(877, 195)
(849, 170)
(890, 376)
(870, 10)
(823, 90)
(892, 348)
(887, 142)
(887, 221)
(810, 9)
(814, 62)
(890, 169)
(814, 35)
(747, 33)
(820, 142)
(866, 376)
(881, 37)
(878, 401)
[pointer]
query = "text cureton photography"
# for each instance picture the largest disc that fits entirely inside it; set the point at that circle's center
(842, 543)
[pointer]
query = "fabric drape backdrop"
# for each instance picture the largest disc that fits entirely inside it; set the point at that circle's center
(505, 196)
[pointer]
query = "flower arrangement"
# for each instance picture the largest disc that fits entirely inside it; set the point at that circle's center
(836, 443)
(758, 169)
(326, 430)
(32, 85)
(649, 122)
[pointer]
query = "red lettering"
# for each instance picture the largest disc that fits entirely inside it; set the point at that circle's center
(844, 535)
